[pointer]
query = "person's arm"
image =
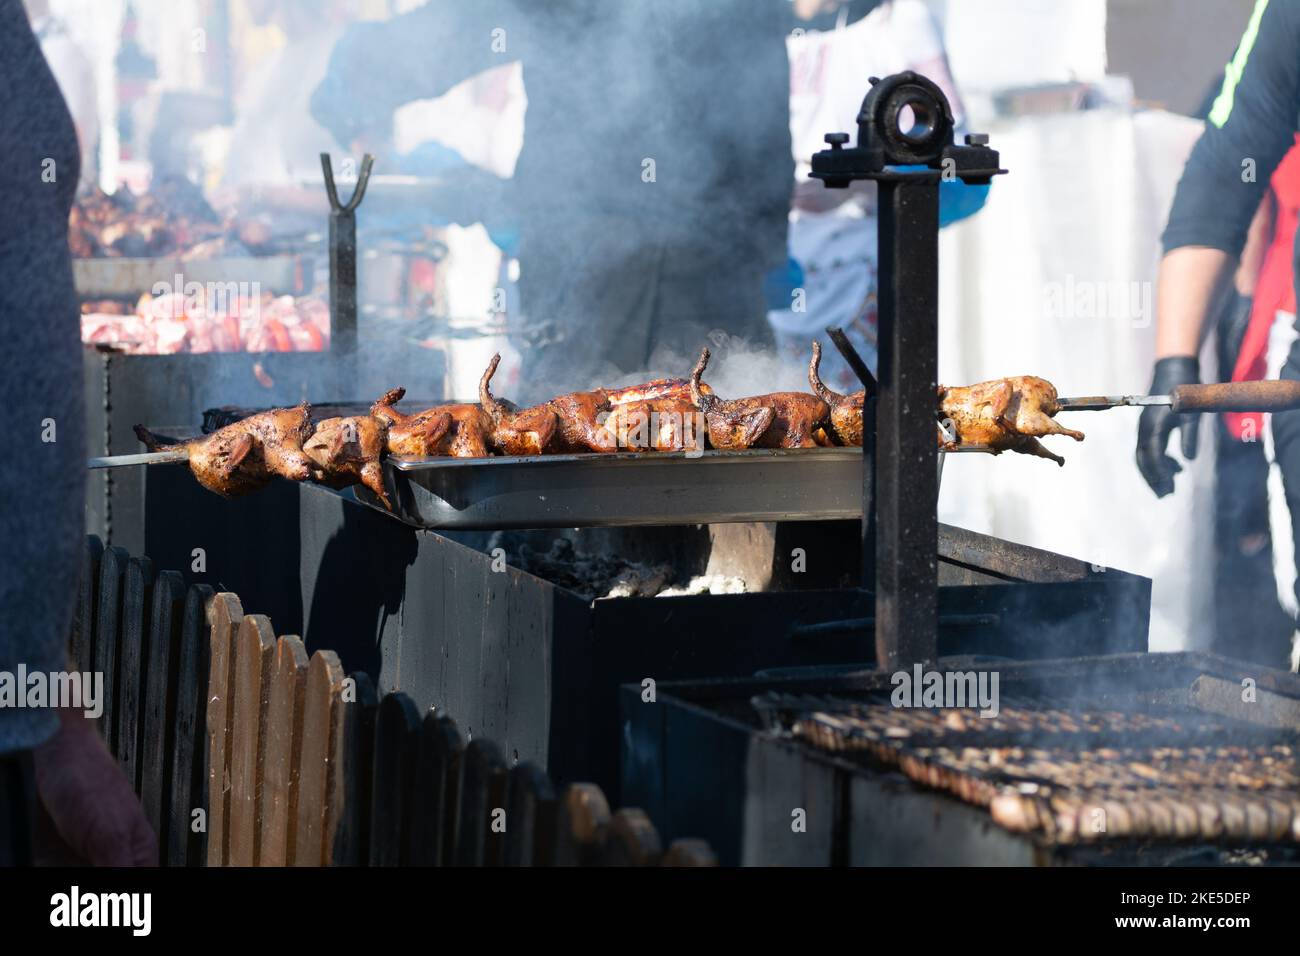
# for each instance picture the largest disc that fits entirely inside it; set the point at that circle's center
(90, 801)
(378, 66)
(1251, 126)
(1191, 281)
(1258, 238)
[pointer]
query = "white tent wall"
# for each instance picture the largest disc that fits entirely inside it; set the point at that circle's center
(994, 44)
(1055, 277)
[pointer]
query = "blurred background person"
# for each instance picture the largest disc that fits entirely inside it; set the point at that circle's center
(835, 46)
(652, 189)
(273, 163)
(1251, 127)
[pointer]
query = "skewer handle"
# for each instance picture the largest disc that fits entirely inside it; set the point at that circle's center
(1266, 396)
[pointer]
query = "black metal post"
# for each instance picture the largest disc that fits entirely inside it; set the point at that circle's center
(343, 263)
(907, 528)
(900, 480)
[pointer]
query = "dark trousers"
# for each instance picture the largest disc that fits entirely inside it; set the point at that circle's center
(17, 808)
(1284, 480)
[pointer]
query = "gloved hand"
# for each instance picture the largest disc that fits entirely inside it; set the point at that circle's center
(1158, 421)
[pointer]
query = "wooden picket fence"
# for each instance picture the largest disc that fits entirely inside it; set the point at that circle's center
(287, 760)
(149, 634)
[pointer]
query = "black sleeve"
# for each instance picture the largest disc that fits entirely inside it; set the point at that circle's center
(378, 66)
(1251, 126)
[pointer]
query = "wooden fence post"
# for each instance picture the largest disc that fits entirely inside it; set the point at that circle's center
(319, 771)
(437, 784)
(581, 818)
(482, 792)
(112, 573)
(133, 657)
(631, 840)
(530, 814)
(188, 792)
(283, 733)
(82, 646)
(689, 853)
(158, 710)
(227, 617)
(253, 664)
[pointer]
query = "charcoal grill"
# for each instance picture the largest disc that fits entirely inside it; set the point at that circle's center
(1123, 759)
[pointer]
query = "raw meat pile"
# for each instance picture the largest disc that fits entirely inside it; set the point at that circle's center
(175, 323)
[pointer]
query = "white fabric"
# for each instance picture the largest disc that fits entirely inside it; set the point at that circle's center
(1281, 337)
(481, 118)
(837, 248)
(275, 140)
(1080, 213)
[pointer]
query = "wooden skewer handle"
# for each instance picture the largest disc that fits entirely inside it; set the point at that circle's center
(1267, 396)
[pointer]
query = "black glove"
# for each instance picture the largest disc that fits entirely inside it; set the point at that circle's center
(1157, 421)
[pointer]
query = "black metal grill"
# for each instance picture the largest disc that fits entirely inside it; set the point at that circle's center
(1125, 759)
(1073, 775)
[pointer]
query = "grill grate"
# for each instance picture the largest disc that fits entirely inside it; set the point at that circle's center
(1072, 775)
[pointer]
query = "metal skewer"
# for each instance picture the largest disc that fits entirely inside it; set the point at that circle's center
(854, 360)
(147, 458)
(1273, 395)
(1097, 403)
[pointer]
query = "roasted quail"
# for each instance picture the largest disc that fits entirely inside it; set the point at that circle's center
(349, 451)
(662, 424)
(844, 426)
(778, 420)
(245, 456)
(460, 431)
(1008, 414)
(579, 422)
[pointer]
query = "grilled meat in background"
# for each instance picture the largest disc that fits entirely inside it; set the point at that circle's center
(172, 219)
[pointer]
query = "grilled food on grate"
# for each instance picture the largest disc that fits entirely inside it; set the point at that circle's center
(1075, 776)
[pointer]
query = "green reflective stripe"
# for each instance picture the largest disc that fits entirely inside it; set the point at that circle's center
(1232, 75)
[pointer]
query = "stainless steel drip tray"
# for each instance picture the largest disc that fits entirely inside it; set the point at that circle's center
(624, 489)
